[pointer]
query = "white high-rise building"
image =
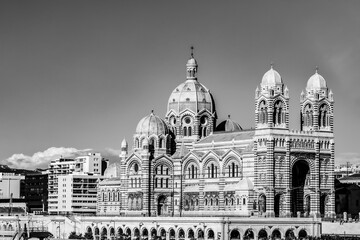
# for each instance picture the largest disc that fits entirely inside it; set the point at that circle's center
(91, 164)
(77, 193)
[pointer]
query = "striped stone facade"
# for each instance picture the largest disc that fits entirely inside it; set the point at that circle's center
(182, 166)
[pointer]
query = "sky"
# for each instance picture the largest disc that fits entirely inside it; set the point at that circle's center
(79, 75)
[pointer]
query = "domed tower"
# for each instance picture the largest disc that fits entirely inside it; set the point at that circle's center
(191, 108)
(152, 134)
(272, 102)
(317, 104)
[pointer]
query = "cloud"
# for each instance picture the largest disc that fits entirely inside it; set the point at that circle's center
(351, 157)
(41, 159)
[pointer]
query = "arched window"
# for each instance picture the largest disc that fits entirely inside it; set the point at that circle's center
(156, 182)
(308, 115)
(189, 131)
(161, 183)
(212, 170)
(167, 183)
(185, 132)
(263, 112)
(323, 116)
(278, 115)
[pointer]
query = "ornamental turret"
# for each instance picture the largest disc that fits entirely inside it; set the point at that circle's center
(317, 104)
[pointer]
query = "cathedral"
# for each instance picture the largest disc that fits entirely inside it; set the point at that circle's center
(186, 164)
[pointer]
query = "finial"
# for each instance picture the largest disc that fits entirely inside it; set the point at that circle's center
(192, 51)
(316, 69)
(229, 116)
(272, 65)
(152, 111)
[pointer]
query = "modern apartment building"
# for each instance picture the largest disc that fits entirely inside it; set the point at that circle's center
(91, 164)
(77, 193)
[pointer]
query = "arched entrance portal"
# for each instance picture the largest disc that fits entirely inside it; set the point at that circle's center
(161, 206)
(300, 179)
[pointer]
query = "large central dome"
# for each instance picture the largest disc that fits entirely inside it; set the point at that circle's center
(191, 94)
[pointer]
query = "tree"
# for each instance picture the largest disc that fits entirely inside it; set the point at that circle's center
(88, 235)
(73, 235)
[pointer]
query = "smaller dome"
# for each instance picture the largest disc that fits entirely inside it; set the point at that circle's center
(228, 125)
(112, 171)
(271, 78)
(152, 124)
(316, 82)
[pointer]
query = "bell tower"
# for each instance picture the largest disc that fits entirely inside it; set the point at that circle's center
(272, 102)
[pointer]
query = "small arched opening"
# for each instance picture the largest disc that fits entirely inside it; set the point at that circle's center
(97, 233)
(191, 234)
(163, 234)
(136, 234)
(103, 234)
(235, 234)
(112, 233)
(144, 234)
(172, 234)
(262, 234)
(153, 233)
(181, 234)
(89, 233)
(200, 234)
(128, 234)
(276, 234)
(302, 234)
(249, 234)
(211, 235)
(120, 232)
(289, 234)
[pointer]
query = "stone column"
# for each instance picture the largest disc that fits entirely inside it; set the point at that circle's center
(270, 177)
(315, 183)
(287, 180)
